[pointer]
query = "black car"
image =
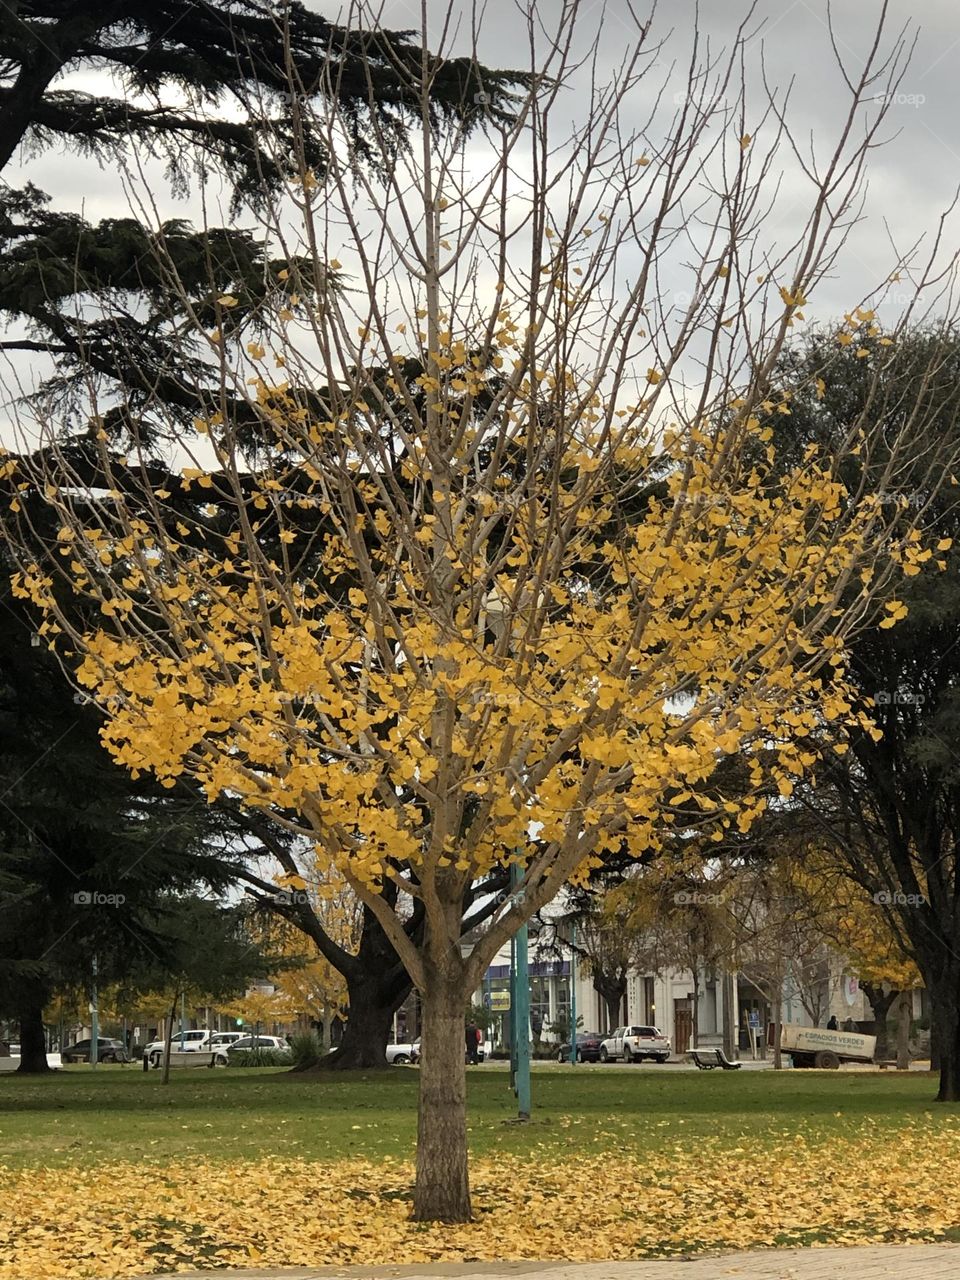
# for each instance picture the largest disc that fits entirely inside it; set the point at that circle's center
(588, 1047)
(107, 1051)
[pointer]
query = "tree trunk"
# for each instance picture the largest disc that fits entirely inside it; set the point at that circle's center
(945, 1002)
(326, 1029)
(442, 1192)
(880, 1002)
(167, 1048)
(33, 1043)
(777, 1027)
(611, 990)
(904, 1015)
(373, 1002)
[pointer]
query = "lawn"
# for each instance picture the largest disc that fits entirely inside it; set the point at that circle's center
(109, 1173)
(120, 1114)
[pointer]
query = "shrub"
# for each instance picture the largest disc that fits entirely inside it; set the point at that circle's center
(265, 1057)
(305, 1049)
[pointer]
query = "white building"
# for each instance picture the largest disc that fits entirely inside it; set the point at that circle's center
(671, 1001)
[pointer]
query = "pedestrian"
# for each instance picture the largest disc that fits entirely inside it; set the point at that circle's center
(833, 1024)
(470, 1037)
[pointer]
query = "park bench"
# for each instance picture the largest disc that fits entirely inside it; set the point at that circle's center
(192, 1058)
(708, 1059)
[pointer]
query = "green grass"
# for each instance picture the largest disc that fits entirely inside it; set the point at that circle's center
(78, 1116)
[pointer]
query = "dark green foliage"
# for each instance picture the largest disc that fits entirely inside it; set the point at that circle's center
(305, 1050)
(893, 805)
(90, 862)
(94, 297)
(262, 54)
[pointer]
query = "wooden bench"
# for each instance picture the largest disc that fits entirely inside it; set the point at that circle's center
(709, 1059)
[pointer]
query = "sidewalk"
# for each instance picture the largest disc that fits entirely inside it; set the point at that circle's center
(880, 1262)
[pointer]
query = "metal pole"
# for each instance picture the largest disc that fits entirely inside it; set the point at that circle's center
(512, 1016)
(94, 1019)
(522, 984)
(573, 995)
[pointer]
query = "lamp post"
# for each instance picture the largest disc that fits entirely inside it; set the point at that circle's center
(496, 609)
(520, 1010)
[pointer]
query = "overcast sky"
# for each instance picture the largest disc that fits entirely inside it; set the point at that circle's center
(912, 178)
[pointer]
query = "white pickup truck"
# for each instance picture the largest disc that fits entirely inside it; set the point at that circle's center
(633, 1044)
(818, 1047)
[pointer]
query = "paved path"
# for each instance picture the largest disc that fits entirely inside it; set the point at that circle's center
(883, 1262)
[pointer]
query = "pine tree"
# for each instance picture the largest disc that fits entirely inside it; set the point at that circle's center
(241, 72)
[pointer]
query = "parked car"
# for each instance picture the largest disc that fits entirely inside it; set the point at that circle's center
(224, 1039)
(400, 1054)
(633, 1044)
(185, 1042)
(248, 1043)
(108, 1050)
(588, 1047)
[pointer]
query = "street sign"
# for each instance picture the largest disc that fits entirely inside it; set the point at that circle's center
(499, 1001)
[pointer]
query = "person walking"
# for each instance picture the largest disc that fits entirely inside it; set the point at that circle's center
(470, 1037)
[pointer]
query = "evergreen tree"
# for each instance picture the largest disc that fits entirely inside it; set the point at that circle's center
(242, 72)
(87, 858)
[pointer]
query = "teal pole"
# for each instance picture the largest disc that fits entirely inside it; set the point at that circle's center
(512, 1016)
(573, 995)
(521, 984)
(94, 1019)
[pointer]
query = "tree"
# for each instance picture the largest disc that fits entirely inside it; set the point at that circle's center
(614, 938)
(854, 926)
(238, 72)
(887, 807)
(501, 660)
(86, 854)
(202, 952)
